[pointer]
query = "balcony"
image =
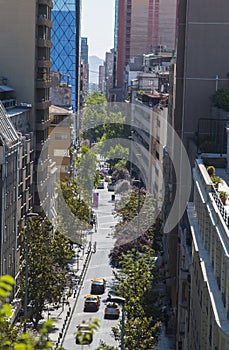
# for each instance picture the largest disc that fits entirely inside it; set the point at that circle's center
(44, 63)
(43, 104)
(42, 125)
(43, 83)
(44, 21)
(46, 2)
(44, 43)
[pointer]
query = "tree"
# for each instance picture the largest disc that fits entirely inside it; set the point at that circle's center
(73, 211)
(116, 153)
(104, 346)
(10, 335)
(86, 337)
(45, 257)
(220, 99)
(134, 282)
(86, 178)
(121, 174)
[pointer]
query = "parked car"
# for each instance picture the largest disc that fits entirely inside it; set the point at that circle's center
(84, 334)
(112, 310)
(98, 286)
(91, 302)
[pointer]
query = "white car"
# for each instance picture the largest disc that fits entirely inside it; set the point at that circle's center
(112, 310)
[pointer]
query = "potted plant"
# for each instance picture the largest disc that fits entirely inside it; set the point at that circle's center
(223, 196)
(211, 170)
(216, 181)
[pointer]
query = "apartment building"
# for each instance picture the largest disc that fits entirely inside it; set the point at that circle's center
(61, 136)
(208, 220)
(25, 62)
(17, 117)
(9, 154)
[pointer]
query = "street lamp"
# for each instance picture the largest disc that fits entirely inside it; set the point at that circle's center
(119, 300)
(27, 271)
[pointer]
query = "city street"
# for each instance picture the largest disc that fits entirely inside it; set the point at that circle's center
(98, 267)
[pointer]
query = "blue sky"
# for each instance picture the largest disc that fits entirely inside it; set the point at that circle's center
(98, 25)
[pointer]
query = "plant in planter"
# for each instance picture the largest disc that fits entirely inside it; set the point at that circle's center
(216, 181)
(211, 170)
(223, 196)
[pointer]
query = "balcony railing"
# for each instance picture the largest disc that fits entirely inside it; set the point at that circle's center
(221, 208)
(44, 43)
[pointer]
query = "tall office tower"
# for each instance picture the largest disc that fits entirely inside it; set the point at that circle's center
(65, 52)
(102, 78)
(25, 43)
(140, 27)
(109, 64)
(84, 88)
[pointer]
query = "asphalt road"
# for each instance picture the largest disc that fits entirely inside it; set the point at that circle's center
(98, 267)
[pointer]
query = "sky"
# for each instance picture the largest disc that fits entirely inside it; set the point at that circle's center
(97, 24)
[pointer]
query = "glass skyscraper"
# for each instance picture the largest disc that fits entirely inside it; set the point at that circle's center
(65, 52)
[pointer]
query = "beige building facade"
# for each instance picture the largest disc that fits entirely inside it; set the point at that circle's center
(25, 62)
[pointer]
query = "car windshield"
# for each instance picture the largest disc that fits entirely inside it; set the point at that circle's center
(91, 299)
(100, 283)
(114, 306)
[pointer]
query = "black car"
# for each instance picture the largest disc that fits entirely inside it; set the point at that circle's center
(98, 286)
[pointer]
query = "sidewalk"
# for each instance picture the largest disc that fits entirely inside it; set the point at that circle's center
(166, 342)
(62, 313)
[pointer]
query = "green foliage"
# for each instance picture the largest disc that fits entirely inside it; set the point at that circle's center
(104, 346)
(75, 221)
(117, 153)
(216, 179)
(85, 338)
(10, 334)
(95, 98)
(142, 310)
(48, 254)
(86, 177)
(221, 99)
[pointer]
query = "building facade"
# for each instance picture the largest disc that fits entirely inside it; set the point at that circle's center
(30, 42)
(66, 52)
(140, 28)
(109, 64)
(209, 298)
(9, 153)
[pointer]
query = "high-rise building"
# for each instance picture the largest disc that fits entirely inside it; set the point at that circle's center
(109, 64)
(102, 78)
(65, 53)
(25, 62)
(84, 50)
(84, 81)
(140, 28)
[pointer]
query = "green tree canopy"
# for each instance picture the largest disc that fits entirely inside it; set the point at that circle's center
(47, 253)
